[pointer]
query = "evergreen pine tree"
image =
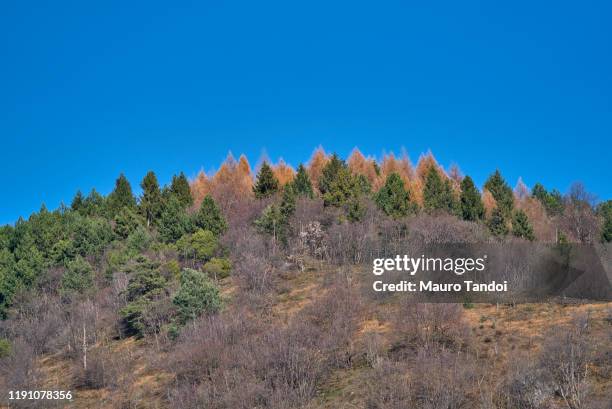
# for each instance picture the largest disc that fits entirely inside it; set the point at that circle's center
(497, 223)
(77, 201)
(330, 174)
(552, 201)
(94, 204)
(151, 201)
(179, 188)
(521, 226)
(174, 221)
(539, 192)
(393, 198)
(438, 193)
(287, 206)
(336, 184)
(209, 217)
(126, 222)
(472, 208)
(121, 196)
(266, 184)
(363, 185)
(301, 184)
(196, 295)
(502, 193)
(79, 276)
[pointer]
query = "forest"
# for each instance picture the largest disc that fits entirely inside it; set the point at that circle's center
(239, 289)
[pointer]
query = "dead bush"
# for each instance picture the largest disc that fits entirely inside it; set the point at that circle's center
(427, 325)
(566, 356)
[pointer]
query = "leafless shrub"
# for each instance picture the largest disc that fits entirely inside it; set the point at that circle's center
(442, 380)
(389, 388)
(38, 320)
(525, 386)
(566, 357)
(255, 265)
(374, 350)
(105, 369)
(433, 324)
(446, 229)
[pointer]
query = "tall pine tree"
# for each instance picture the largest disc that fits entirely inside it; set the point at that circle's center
(438, 193)
(179, 188)
(77, 201)
(174, 221)
(502, 193)
(472, 208)
(393, 198)
(336, 184)
(151, 201)
(209, 217)
(121, 196)
(266, 184)
(521, 226)
(497, 222)
(301, 184)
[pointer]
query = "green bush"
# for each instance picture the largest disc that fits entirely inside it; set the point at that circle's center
(196, 295)
(199, 246)
(218, 267)
(5, 347)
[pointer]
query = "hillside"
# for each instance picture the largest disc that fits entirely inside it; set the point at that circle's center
(236, 290)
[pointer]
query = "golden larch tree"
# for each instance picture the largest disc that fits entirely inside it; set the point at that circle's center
(200, 187)
(317, 162)
(402, 166)
(489, 202)
(360, 165)
(283, 172)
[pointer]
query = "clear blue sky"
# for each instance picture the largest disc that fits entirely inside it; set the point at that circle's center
(91, 89)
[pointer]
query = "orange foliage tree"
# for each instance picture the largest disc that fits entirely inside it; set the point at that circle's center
(200, 187)
(231, 183)
(318, 160)
(489, 202)
(402, 166)
(283, 172)
(360, 165)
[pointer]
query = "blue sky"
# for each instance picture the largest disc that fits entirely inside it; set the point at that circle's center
(91, 89)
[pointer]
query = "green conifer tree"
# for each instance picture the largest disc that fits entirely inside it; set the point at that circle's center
(497, 223)
(552, 201)
(266, 184)
(174, 221)
(126, 222)
(196, 295)
(209, 217)
(363, 185)
(151, 200)
(179, 188)
(337, 184)
(393, 198)
(301, 183)
(521, 226)
(77, 201)
(501, 192)
(79, 276)
(121, 196)
(472, 208)
(438, 193)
